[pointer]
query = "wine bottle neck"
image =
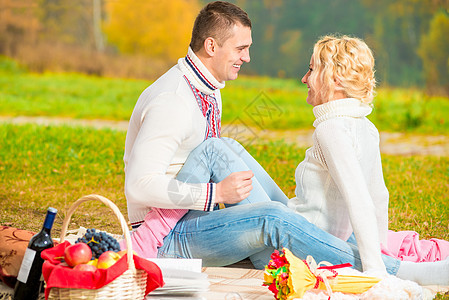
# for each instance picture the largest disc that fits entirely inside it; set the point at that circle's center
(49, 219)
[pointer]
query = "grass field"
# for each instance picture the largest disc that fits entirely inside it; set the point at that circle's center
(264, 102)
(44, 166)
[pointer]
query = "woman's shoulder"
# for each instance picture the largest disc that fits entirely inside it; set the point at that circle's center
(337, 125)
(346, 131)
(335, 131)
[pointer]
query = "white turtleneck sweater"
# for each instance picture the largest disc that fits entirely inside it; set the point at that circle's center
(165, 126)
(339, 185)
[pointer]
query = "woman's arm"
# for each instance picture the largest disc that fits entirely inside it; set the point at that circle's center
(344, 167)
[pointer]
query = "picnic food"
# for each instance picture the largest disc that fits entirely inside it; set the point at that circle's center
(99, 242)
(85, 268)
(107, 259)
(93, 262)
(131, 278)
(77, 254)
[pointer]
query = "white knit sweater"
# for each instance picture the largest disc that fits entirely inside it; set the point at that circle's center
(165, 126)
(339, 185)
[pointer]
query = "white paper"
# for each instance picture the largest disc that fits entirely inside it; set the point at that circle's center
(193, 265)
(182, 277)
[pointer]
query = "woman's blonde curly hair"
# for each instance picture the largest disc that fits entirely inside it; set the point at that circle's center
(343, 63)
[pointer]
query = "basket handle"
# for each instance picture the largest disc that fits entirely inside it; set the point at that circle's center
(118, 214)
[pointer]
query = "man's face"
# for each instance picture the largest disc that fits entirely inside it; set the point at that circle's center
(230, 56)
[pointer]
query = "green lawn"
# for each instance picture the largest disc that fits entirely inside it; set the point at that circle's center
(266, 103)
(43, 166)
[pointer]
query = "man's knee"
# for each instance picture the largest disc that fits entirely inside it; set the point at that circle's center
(271, 208)
(206, 146)
(233, 144)
(214, 146)
(228, 140)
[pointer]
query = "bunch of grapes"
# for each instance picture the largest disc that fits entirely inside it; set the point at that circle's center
(99, 242)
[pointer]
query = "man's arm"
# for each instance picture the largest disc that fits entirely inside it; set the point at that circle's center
(166, 124)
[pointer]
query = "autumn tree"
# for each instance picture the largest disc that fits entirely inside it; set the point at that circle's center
(434, 51)
(398, 27)
(18, 24)
(155, 28)
(67, 22)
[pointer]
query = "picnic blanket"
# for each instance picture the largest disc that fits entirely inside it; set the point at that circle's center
(237, 283)
(244, 283)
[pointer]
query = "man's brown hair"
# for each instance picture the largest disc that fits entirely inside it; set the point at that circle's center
(216, 20)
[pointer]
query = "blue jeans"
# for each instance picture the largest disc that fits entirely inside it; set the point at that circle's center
(253, 228)
(215, 159)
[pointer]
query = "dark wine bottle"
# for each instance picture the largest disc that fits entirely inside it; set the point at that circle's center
(30, 280)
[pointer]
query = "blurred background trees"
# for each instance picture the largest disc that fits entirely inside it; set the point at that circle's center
(154, 28)
(141, 38)
(434, 52)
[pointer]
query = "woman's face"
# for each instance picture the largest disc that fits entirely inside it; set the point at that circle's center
(312, 94)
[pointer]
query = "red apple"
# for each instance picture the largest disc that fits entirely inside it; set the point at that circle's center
(107, 259)
(77, 254)
(85, 268)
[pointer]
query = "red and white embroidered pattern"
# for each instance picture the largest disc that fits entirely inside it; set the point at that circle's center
(209, 107)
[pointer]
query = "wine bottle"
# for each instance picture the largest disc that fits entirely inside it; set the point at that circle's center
(30, 280)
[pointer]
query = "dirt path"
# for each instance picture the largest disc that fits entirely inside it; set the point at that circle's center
(391, 142)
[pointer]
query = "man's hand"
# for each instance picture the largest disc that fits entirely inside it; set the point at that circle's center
(234, 188)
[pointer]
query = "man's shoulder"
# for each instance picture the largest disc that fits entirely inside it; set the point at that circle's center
(169, 93)
(168, 81)
(171, 83)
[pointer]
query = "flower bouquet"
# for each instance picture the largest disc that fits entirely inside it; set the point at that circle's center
(289, 277)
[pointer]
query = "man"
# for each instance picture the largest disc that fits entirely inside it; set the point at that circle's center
(171, 118)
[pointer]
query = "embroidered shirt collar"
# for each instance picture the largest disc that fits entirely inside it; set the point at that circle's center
(198, 74)
(348, 107)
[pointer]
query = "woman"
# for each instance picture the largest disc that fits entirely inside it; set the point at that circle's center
(340, 186)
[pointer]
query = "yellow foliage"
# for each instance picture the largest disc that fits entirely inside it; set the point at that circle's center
(155, 28)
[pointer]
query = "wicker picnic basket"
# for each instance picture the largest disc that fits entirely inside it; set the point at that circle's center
(130, 285)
